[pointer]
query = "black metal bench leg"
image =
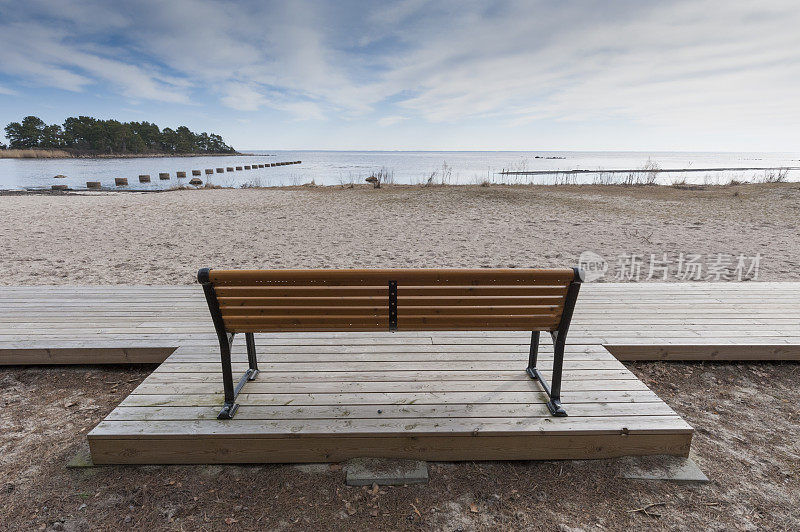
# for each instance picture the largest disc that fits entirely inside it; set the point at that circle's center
(559, 336)
(251, 356)
(553, 392)
(231, 391)
(555, 388)
(225, 341)
(230, 407)
(534, 355)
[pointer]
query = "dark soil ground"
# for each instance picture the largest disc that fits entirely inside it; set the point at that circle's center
(746, 441)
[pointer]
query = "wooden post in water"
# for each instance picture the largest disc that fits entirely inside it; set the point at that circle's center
(220, 170)
(247, 168)
(144, 178)
(93, 184)
(195, 172)
(229, 168)
(59, 187)
(238, 167)
(163, 176)
(121, 181)
(180, 174)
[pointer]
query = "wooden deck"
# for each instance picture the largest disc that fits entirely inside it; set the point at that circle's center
(644, 321)
(436, 396)
(443, 396)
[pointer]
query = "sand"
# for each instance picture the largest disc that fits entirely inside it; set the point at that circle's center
(163, 238)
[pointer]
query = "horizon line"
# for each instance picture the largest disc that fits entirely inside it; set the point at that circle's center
(515, 151)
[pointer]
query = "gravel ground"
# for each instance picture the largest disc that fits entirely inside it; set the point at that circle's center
(750, 453)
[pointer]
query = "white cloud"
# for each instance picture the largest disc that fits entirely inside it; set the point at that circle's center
(303, 110)
(703, 64)
(49, 59)
(243, 97)
(669, 63)
(387, 121)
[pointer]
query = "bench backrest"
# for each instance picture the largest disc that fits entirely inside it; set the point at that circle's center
(390, 299)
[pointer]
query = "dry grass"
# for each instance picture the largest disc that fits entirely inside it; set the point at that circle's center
(778, 175)
(34, 154)
(383, 176)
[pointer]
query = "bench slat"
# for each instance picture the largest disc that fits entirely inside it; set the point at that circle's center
(383, 310)
(364, 322)
(381, 291)
(227, 304)
(509, 276)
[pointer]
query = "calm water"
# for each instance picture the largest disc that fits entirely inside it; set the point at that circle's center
(341, 167)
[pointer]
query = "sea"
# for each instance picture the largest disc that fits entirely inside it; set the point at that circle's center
(410, 167)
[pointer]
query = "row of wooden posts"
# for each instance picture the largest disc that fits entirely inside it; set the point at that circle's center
(164, 176)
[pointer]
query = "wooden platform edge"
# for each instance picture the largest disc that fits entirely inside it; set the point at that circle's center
(40, 356)
(720, 353)
(37, 356)
(221, 450)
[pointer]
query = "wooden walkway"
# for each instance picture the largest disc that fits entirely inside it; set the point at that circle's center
(644, 321)
(431, 395)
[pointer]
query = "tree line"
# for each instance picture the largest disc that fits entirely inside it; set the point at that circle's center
(87, 135)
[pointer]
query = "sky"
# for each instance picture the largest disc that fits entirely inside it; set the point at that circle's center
(694, 75)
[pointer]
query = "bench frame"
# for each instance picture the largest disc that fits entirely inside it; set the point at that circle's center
(559, 337)
(231, 391)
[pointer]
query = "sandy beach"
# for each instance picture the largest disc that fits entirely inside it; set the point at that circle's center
(163, 238)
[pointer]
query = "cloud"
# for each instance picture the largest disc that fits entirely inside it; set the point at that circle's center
(303, 110)
(668, 64)
(243, 97)
(49, 59)
(387, 121)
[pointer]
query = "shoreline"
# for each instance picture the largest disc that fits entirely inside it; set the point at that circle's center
(65, 155)
(83, 191)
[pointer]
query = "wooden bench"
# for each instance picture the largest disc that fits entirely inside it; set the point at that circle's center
(263, 301)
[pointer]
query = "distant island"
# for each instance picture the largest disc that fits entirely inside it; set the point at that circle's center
(85, 136)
